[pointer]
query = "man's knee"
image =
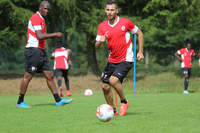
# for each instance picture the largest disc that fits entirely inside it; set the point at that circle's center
(27, 77)
(113, 80)
(105, 87)
(186, 75)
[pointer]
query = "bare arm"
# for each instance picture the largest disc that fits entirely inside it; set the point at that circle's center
(42, 36)
(177, 56)
(140, 55)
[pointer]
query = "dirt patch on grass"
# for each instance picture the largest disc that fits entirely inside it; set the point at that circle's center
(38, 85)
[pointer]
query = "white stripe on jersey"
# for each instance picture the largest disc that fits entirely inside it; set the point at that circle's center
(54, 66)
(182, 63)
(127, 36)
(61, 53)
(134, 30)
(32, 42)
(37, 27)
(129, 52)
(30, 26)
(66, 64)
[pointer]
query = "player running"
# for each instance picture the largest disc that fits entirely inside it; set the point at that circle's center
(36, 58)
(62, 63)
(116, 30)
(186, 55)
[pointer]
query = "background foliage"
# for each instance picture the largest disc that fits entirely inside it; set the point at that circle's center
(167, 26)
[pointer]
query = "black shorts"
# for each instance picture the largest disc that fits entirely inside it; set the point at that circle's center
(119, 70)
(186, 71)
(60, 73)
(36, 60)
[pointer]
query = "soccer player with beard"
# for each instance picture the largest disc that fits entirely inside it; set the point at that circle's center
(116, 30)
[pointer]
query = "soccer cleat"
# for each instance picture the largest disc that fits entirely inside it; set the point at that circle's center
(185, 92)
(68, 93)
(63, 101)
(60, 92)
(22, 105)
(115, 113)
(123, 109)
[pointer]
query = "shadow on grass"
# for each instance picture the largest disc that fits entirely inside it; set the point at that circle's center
(191, 91)
(138, 113)
(44, 104)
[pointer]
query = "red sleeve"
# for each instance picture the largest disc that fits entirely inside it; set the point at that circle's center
(131, 25)
(36, 20)
(181, 51)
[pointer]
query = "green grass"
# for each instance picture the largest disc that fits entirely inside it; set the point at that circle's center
(148, 113)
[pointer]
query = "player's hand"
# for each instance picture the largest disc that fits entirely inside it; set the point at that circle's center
(59, 34)
(103, 39)
(140, 56)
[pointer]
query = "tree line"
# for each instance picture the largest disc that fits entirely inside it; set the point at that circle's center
(167, 26)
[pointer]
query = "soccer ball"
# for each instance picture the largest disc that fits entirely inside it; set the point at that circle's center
(88, 92)
(105, 112)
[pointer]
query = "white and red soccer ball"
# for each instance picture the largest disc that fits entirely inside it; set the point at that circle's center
(88, 92)
(105, 112)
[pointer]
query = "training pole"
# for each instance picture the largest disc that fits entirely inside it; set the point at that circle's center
(134, 67)
(115, 98)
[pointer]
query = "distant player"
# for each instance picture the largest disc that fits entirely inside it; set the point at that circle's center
(35, 56)
(116, 30)
(186, 55)
(62, 62)
(199, 58)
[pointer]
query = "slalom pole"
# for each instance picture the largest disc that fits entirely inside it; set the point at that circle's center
(134, 67)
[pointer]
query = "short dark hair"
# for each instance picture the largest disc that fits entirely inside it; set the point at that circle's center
(110, 2)
(65, 45)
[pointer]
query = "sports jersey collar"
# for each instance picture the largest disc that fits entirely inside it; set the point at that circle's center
(187, 50)
(39, 14)
(112, 25)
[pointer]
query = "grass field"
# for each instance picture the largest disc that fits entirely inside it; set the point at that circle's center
(148, 113)
(159, 107)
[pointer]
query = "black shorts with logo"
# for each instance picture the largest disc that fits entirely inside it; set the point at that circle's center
(119, 70)
(186, 71)
(60, 73)
(36, 60)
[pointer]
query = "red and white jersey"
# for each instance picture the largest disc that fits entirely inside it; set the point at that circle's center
(118, 38)
(61, 57)
(186, 57)
(36, 22)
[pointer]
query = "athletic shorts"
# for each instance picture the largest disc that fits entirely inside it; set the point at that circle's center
(119, 70)
(36, 60)
(60, 72)
(186, 71)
